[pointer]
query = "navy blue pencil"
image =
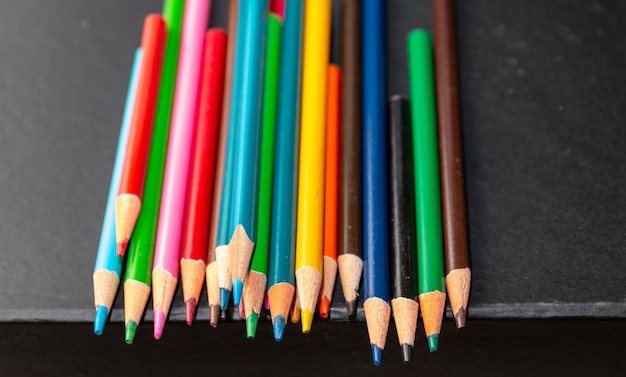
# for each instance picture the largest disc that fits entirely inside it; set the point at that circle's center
(375, 226)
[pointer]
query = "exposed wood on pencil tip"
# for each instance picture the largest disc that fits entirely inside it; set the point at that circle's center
(105, 285)
(405, 312)
(192, 274)
(432, 305)
(377, 315)
(458, 286)
(328, 285)
(254, 293)
(163, 288)
(136, 296)
(281, 297)
(350, 269)
(127, 207)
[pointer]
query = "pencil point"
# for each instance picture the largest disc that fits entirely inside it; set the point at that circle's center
(190, 309)
(129, 331)
(100, 319)
(460, 318)
(306, 317)
(407, 351)
(351, 307)
(377, 355)
(279, 328)
(214, 315)
(237, 290)
(324, 307)
(251, 323)
(224, 298)
(159, 323)
(433, 342)
(121, 248)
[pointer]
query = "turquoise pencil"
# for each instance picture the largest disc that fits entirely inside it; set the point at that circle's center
(247, 127)
(108, 268)
(281, 278)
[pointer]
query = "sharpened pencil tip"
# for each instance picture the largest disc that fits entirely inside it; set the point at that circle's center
(407, 352)
(190, 310)
(324, 307)
(251, 323)
(129, 331)
(102, 313)
(237, 290)
(279, 328)
(159, 323)
(121, 248)
(224, 298)
(214, 311)
(460, 318)
(433, 342)
(306, 317)
(377, 355)
(351, 307)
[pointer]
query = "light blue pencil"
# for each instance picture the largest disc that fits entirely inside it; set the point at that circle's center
(108, 268)
(247, 128)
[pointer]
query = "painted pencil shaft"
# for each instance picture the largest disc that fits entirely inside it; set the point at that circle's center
(212, 280)
(281, 279)
(254, 290)
(138, 278)
(402, 224)
(167, 251)
(458, 275)
(128, 202)
(375, 219)
(426, 175)
(244, 205)
(310, 222)
(330, 191)
(200, 186)
(108, 267)
(350, 234)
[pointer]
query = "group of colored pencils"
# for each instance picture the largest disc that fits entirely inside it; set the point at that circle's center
(247, 160)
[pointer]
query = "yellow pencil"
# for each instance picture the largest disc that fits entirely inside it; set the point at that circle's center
(310, 223)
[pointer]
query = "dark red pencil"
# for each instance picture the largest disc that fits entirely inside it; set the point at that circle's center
(202, 173)
(128, 203)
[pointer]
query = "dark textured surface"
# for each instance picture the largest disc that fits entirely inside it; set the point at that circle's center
(484, 348)
(543, 89)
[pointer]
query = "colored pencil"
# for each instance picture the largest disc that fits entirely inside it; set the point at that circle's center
(310, 221)
(375, 220)
(212, 280)
(432, 296)
(247, 128)
(256, 282)
(200, 186)
(108, 266)
(128, 202)
(281, 279)
(138, 277)
(402, 224)
(222, 252)
(350, 232)
(167, 252)
(456, 245)
(330, 192)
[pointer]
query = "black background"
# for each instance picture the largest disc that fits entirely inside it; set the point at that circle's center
(543, 94)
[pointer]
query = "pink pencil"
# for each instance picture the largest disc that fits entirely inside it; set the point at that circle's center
(169, 235)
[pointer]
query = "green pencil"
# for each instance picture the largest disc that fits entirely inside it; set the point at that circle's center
(138, 278)
(254, 290)
(431, 283)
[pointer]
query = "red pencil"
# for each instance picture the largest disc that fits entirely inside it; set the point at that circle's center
(128, 202)
(202, 174)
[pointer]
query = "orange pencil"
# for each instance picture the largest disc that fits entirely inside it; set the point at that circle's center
(332, 189)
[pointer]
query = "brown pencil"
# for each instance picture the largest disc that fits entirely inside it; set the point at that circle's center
(458, 275)
(350, 235)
